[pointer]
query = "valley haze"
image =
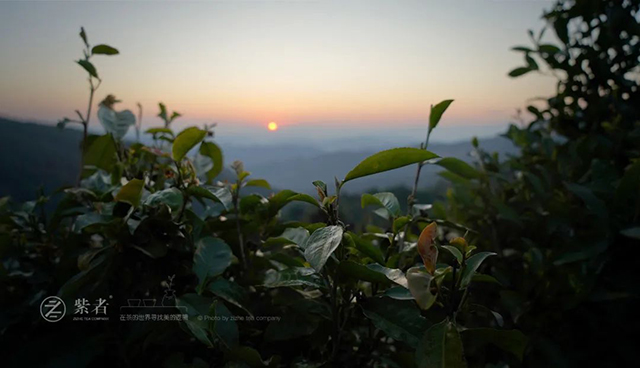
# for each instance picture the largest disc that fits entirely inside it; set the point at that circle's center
(36, 154)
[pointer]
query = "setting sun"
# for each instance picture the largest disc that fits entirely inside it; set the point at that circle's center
(272, 126)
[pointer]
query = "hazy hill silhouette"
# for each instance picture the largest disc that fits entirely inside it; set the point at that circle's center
(33, 155)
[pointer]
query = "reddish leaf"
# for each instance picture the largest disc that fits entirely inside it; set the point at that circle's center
(427, 249)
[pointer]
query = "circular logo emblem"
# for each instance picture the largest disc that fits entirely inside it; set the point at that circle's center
(52, 309)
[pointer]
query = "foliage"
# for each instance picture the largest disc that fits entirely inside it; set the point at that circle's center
(561, 215)
(251, 285)
(540, 242)
(149, 212)
(94, 83)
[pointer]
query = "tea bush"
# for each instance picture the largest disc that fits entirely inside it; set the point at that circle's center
(563, 216)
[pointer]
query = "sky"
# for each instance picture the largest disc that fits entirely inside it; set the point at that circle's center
(317, 68)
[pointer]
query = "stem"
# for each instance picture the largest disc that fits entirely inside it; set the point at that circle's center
(453, 292)
(335, 311)
(412, 198)
(85, 125)
(184, 205)
(336, 213)
(238, 227)
(462, 300)
(414, 191)
(139, 123)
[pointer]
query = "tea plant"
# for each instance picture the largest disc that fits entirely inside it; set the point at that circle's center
(563, 214)
(94, 83)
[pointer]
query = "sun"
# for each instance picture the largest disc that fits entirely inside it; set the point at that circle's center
(272, 126)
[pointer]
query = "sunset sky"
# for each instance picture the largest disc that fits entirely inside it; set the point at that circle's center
(356, 65)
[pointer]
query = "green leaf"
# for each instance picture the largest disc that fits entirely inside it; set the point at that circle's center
(62, 123)
(258, 183)
(459, 167)
(104, 50)
(196, 307)
(163, 111)
(362, 272)
(294, 276)
(301, 197)
(519, 71)
(101, 153)
(420, 285)
(455, 252)
(277, 242)
(400, 222)
(320, 184)
(226, 328)
(471, 266)
(436, 113)
(83, 35)
(172, 197)
(230, 292)
(213, 151)
(367, 248)
(479, 277)
(185, 141)
(441, 347)
(282, 198)
(295, 236)
(252, 202)
(399, 319)
(321, 244)
(88, 279)
(633, 233)
(174, 115)
(533, 65)
(217, 194)
(286, 259)
(131, 192)
(593, 203)
(454, 178)
(398, 293)
(85, 259)
(393, 274)
(386, 200)
(549, 49)
(583, 253)
(89, 219)
(88, 67)
(211, 258)
(512, 341)
(389, 160)
(560, 25)
(521, 49)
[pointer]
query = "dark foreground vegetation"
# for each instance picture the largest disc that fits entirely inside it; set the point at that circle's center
(529, 261)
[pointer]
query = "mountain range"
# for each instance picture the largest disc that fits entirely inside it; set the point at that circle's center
(34, 155)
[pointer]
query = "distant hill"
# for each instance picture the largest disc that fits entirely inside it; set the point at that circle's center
(295, 169)
(32, 155)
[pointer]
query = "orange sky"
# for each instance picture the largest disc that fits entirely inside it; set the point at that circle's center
(358, 63)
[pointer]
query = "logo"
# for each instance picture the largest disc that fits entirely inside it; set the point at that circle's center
(85, 311)
(52, 309)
